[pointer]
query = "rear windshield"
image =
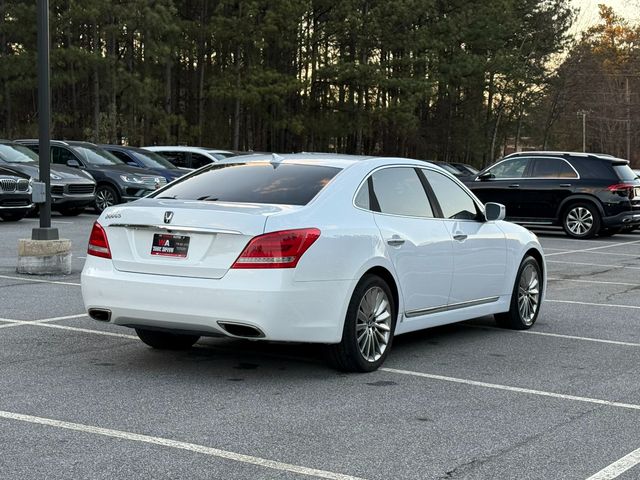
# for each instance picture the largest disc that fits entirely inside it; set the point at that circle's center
(282, 184)
(624, 172)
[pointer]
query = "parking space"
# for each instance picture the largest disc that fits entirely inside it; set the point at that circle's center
(465, 401)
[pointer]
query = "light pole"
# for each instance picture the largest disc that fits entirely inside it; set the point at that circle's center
(45, 232)
(584, 129)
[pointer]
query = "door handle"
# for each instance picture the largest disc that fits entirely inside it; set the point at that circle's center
(395, 241)
(514, 185)
(460, 237)
(565, 184)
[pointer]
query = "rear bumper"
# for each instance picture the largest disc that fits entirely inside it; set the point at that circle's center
(631, 217)
(268, 300)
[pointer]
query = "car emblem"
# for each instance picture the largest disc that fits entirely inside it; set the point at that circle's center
(168, 216)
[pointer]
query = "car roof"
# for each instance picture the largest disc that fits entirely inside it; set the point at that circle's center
(337, 160)
(68, 143)
(183, 148)
(563, 153)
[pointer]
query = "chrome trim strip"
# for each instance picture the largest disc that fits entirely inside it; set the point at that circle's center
(31, 205)
(510, 157)
(453, 306)
(173, 228)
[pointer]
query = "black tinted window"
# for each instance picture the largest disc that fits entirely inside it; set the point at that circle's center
(513, 168)
(179, 159)
(61, 155)
(285, 184)
(552, 168)
(198, 160)
(453, 200)
(400, 192)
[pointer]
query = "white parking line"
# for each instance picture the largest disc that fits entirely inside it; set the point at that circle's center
(39, 280)
(166, 442)
(86, 330)
(600, 282)
(508, 388)
(618, 468)
(594, 264)
(630, 255)
(595, 248)
(634, 307)
(17, 323)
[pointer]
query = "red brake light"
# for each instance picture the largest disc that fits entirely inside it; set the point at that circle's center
(98, 243)
(277, 249)
(620, 187)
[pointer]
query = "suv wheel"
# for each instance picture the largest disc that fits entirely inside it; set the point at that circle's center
(581, 220)
(106, 196)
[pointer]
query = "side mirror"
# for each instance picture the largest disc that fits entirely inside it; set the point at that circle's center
(73, 163)
(131, 163)
(494, 211)
(485, 176)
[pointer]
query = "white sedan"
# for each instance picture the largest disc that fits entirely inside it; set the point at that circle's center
(333, 249)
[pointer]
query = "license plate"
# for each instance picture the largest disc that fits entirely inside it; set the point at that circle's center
(170, 245)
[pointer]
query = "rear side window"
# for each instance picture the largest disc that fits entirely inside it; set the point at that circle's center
(552, 168)
(624, 172)
(283, 184)
(198, 160)
(179, 159)
(399, 191)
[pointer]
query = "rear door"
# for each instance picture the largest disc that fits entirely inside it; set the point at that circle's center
(417, 242)
(479, 247)
(549, 181)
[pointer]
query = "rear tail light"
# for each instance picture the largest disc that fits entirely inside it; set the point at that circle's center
(277, 249)
(98, 243)
(623, 188)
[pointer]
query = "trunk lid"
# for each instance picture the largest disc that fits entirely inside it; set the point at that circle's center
(217, 233)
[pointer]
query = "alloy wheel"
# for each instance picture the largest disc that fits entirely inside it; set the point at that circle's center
(373, 324)
(528, 294)
(579, 221)
(104, 199)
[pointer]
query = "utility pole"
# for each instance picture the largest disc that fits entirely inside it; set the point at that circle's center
(628, 102)
(584, 129)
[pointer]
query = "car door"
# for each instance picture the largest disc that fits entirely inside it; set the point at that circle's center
(501, 184)
(479, 247)
(418, 243)
(549, 181)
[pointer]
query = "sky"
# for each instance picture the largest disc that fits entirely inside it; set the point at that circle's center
(588, 11)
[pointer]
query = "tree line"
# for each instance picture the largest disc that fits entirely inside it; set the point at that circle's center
(433, 79)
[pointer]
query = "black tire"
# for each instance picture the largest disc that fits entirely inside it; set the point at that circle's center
(71, 212)
(581, 220)
(514, 318)
(166, 340)
(347, 355)
(610, 232)
(106, 196)
(13, 217)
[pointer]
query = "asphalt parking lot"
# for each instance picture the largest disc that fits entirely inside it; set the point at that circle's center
(80, 399)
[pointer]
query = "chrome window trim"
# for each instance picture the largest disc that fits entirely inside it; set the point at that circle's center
(508, 157)
(453, 306)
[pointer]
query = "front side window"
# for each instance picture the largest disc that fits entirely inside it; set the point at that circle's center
(552, 168)
(513, 168)
(61, 155)
(283, 184)
(454, 201)
(399, 191)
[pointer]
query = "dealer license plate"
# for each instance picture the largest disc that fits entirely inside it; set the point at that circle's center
(170, 245)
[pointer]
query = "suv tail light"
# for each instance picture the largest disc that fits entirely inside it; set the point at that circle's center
(277, 249)
(98, 243)
(623, 189)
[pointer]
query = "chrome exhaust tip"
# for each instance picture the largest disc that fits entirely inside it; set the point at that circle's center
(100, 314)
(241, 330)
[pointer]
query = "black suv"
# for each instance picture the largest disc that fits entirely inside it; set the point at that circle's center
(15, 194)
(116, 181)
(586, 194)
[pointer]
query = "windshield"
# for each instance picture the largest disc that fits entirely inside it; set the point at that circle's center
(17, 154)
(97, 156)
(153, 160)
(283, 184)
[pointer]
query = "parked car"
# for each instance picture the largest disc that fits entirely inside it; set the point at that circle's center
(584, 193)
(190, 157)
(15, 194)
(465, 168)
(151, 161)
(72, 190)
(331, 249)
(116, 182)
